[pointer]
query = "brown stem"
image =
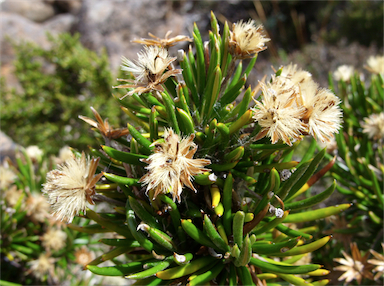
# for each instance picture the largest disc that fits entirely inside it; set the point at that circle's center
(253, 223)
(230, 71)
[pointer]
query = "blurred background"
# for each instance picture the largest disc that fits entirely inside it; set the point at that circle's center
(47, 82)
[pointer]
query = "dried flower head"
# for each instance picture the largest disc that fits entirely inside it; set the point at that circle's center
(43, 266)
(323, 114)
(246, 39)
(71, 186)
(7, 176)
(378, 262)
(148, 70)
(344, 73)
(37, 207)
(65, 154)
(277, 113)
(355, 267)
(295, 74)
(54, 239)
(294, 105)
(35, 153)
(375, 64)
(103, 126)
(83, 256)
(165, 43)
(12, 195)
(373, 126)
(171, 166)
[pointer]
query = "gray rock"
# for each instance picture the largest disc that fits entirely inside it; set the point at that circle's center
(16, 28)
(7, 147)
(37, 10)
(60, 23)
(114, 24)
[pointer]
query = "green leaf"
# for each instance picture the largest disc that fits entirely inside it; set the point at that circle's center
(140, 138)
(316, 214)
(311, 201)
(171, 115)
(200, 60)
(129, 158)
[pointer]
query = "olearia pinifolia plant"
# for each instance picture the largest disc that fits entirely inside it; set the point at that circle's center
(36, 249)
(359, 170)
(204, 189)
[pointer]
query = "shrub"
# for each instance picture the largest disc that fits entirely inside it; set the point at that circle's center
(204, 185)
(58, 84)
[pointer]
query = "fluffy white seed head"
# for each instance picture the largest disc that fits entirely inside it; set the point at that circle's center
(373, 126)
(71, 186)
(247, 39)
(171, 166)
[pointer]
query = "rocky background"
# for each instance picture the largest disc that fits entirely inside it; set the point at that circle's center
(106, 23)
(113, 24)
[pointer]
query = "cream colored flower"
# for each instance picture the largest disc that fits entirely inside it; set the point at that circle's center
(41, 267)
(71, 186)
(277, 113)
(7, 176)
(296, 75)
(171, 166)
(323, 114)
(375, 64)
(373, 126)
(165, 43)
(303, 79)
(54, 239)
(12, 195)
(65, 154)
(148, 70)
(83, 256)
(294, 105)
(355, 267)
(35, 153)
(344, 73)
(378, 262)
(246, 39)
(37, 207)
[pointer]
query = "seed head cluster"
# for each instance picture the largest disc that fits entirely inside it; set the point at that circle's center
(172, 166)
(293, 105)
(277, 113)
